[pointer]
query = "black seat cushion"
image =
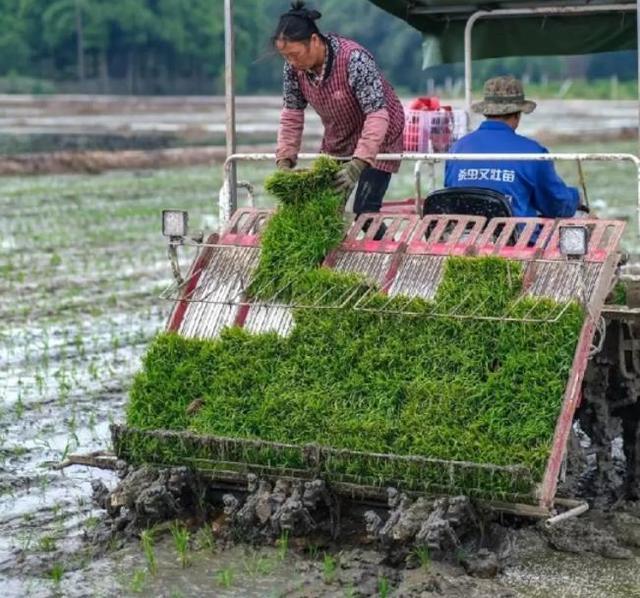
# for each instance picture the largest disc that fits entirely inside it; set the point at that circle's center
(472, 201)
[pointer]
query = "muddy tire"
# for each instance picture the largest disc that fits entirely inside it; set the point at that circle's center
(609, 416)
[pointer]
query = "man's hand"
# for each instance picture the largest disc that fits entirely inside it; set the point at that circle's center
(284, 164)
(348, 176)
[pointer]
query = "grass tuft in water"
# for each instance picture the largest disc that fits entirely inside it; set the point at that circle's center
(383, 587)
(181, 536)
(56, 574)
(225, 577)
(147, 541)
(282, 544)
(205, 540)
(422, 556)
(138, 580)
(329, 568)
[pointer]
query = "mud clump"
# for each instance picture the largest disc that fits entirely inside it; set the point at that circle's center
(484, 564)
(582, 535)
(438, 526)
(266, 511)
(610, 534)
(295, 509)
(625, 526)
(144, 497)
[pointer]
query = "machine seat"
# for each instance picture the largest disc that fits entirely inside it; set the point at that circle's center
(471, 201)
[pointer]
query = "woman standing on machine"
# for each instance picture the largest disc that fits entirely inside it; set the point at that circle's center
(360, 111)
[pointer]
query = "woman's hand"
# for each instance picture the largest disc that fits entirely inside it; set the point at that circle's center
(284, 164)
(348, 176)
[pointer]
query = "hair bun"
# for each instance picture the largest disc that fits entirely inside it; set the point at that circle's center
(298, 9)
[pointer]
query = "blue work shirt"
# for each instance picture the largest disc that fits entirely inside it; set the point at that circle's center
(533, 188)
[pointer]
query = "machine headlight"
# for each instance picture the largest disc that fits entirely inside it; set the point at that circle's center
(574, 240)
(175, 223)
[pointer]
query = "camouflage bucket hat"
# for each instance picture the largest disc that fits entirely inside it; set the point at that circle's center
(503, 95)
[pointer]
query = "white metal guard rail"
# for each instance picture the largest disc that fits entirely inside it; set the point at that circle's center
(227, 207)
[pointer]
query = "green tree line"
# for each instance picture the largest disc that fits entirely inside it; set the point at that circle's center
(177, 46)
(149, 44)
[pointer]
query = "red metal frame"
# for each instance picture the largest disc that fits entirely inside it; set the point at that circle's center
(531, 239)
(393, 239)
(245, 227)
(446, 235)
(564, 423)
(200, 263)
(362, 233)
(405, 206)
(243, 230)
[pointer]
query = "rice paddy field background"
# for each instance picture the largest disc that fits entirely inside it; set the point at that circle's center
(82, 264)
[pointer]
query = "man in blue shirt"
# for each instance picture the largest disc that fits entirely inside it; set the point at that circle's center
(533, 188)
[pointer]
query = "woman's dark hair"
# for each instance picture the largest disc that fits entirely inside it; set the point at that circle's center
(297, 24)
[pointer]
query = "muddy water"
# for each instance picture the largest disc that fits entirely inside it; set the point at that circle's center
(82, 263)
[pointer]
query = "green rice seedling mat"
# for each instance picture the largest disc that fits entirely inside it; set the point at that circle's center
(440, 405)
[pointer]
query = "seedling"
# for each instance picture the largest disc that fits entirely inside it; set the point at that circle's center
(92, 368)
(56, 573)
(312, 551)
(225, 577)
(329, 567)
(181, 537)
(383, 587)
(282, 544)
(423, 556)
(350, 591)
(40, 383)
(65, 451)
(205, 540)
(147, 541)
(47, 543)
(461, 555)
(91, 522)
(256, 565)
(137, 581)
(25, 540)
(19, 408)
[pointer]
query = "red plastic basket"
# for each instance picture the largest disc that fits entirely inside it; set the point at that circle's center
(433, 130)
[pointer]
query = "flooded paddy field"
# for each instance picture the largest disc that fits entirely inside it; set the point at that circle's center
(86, 122)
(82, 264)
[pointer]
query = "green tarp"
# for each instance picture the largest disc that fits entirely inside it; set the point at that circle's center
(442, 22)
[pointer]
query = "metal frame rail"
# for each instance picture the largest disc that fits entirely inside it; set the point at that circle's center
(228, 200)
(541, 11)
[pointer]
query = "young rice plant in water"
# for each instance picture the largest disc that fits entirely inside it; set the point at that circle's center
(181, 538)
(147, 541)
(485, 391)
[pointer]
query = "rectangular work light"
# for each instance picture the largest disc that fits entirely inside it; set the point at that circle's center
(574, 240)
(175, 223)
